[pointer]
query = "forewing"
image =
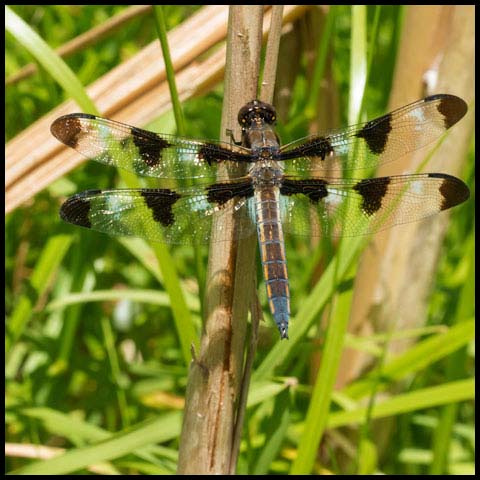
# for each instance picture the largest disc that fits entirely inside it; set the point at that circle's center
(147, 153)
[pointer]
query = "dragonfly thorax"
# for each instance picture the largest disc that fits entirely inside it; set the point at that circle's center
(266, 173)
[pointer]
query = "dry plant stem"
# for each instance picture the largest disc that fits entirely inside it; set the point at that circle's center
(85, 39)
(271, 55)
(215, 378)
(266, 94)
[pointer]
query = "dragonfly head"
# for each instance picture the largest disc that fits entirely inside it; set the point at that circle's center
(256, 112)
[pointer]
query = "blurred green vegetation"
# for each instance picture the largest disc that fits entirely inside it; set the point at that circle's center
(79, 369)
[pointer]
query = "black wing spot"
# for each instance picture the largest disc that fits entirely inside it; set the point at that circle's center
(211, 153)
(315, 147)
(372, 191)
(68, 128)
(314, 189)
(452, 108)
(149, 145)
(376, 133)
(161, 201)
(221, 193)
(452, 189)
(76, 209)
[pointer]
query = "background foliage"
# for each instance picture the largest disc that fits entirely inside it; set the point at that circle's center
(91, 348)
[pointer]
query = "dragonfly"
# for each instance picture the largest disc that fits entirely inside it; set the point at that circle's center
(213, 191)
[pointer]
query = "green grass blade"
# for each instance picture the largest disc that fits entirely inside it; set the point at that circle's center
(123, 443)
(178, 113)
(262, 391)
(49, 60)
(275, 431)
(170, 72)
(115, 370)
(459, 391)
(416, 358)
(358, 62)
(319, 405)
(46, 267)
(153, 297)
(443, 434)
(80, 432)
(181, 314)
(144, 253)
(71, 427)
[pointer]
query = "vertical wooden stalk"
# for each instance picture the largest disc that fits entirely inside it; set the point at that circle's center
(215, 376)
(271, 54)
(266, 94)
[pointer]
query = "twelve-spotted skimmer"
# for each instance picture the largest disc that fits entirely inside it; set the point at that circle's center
(270, 189)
